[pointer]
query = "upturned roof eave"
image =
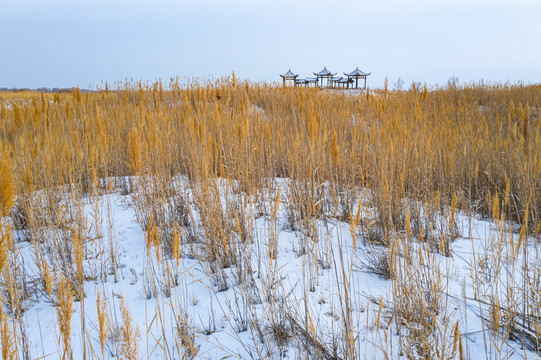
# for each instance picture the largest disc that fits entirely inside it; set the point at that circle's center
(324, 74)
(289, 74)
(357, 72)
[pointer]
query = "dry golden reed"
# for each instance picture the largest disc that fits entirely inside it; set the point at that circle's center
(129, 347)
(103, 322)
(7, 338)
(64, 310)
(422, 156)
(7, 183)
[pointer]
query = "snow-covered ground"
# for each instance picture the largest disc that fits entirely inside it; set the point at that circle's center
(282, 307)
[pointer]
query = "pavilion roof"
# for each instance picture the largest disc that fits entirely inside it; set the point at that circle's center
(324, 72)
(357, 72)
(289, 74)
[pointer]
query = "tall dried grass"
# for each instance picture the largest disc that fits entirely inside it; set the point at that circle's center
(421, 157)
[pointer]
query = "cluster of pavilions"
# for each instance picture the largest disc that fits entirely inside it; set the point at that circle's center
(325, 78)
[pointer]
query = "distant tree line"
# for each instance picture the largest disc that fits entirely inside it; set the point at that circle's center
(46, 89)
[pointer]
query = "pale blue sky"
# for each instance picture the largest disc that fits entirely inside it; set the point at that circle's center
(81, 43)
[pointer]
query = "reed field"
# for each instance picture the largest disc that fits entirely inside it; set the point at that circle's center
(225, 219)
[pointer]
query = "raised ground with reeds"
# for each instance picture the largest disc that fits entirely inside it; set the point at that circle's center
(235, 219)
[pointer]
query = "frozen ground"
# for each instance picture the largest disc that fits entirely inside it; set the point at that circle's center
(300, 292)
